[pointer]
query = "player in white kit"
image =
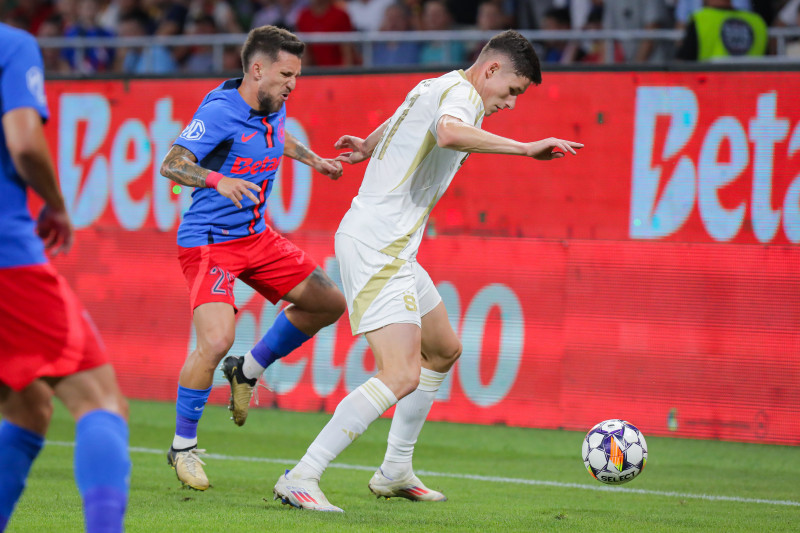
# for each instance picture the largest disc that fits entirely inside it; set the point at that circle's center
(413, 157)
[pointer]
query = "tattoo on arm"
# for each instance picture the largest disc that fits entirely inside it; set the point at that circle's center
(297, 150)
(180, 165)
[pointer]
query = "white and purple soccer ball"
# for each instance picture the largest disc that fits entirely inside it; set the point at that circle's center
(614, 452)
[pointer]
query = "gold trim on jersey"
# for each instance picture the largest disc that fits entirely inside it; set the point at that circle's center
(396, 125)
(428, 144)
(480, 115)
(444, 94)
(462, 73)
(371, 290)
(397, 246)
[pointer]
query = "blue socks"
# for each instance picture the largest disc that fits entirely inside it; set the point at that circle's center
(18, 449)
(189, 407)
(102, 469)
(280, 340)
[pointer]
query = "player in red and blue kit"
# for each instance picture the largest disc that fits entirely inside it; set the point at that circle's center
(230, 153)
(48, 344)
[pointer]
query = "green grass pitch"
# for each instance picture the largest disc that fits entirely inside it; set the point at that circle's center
(496, 478)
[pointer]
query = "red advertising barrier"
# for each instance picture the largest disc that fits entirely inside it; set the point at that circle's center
(651, 278)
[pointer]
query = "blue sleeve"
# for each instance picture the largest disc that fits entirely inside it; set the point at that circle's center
(208, 128)
(22, 78)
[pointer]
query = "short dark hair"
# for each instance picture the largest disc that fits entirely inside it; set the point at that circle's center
(270, 40)
(520, 51)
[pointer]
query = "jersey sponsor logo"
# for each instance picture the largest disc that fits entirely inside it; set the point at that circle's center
(194, 130)
(245, 165)
(246, 138)
(34, 78)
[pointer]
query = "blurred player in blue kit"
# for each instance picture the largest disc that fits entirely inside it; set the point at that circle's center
(49, 344)
(230, 153)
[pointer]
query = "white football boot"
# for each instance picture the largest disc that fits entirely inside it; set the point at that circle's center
(302, 493)
(409, 487)
(188, 467)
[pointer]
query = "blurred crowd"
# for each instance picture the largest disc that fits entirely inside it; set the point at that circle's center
(127, 18)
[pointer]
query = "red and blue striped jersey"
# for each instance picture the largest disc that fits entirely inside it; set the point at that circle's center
(227, 136)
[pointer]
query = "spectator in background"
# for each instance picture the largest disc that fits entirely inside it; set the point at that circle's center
(788, 15)
(232, 59)
(792, 47)
(637, 15)
(30, 15)
(221, 13)
(463, 12)
(201, 57)
(596, 50)
(397, 17)
(718, 30)
(324, 16)
(53, 61)
(142, 60)
(113, 12)
(531, 13)
(169, 17)
(490, 18)
(280, 13)
(558, 51)
(68, 11)
(88, 60)
(367, 15)
(684, 9)
(436, 17)
(415, 7)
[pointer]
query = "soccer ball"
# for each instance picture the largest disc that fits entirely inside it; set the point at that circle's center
(614, 452)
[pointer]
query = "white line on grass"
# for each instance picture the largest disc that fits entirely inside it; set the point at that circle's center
(475, 477)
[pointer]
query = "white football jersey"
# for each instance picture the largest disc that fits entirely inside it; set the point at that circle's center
(408, 171)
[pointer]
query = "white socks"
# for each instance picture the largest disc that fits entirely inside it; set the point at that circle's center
(409, 416)
(181, 443)
(352, 417)
(251, 368)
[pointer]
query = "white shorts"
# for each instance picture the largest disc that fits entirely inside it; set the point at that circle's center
(381, 289)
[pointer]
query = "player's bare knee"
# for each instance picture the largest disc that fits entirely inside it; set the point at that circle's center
(123, 407)
(452, 354)
(330, 308)
(445, 357)
(409, 382)
(31, 416)
(214, 347)
(40, 414)
(336, 308)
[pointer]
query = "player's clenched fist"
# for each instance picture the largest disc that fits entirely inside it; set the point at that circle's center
(235, 189)
(55, 229)
(331, 168)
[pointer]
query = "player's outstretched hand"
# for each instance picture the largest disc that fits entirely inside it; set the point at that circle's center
(55, 229)
(357, 146)
(552, 148)
(331, 168)
(235, 189)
